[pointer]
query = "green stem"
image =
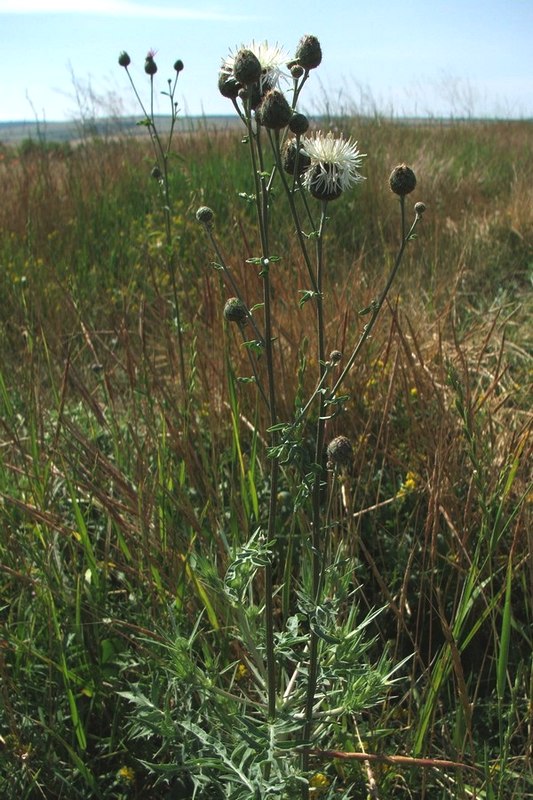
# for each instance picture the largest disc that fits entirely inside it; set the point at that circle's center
(294, 212)
(231, 281)
(316, 550)
(262, 197)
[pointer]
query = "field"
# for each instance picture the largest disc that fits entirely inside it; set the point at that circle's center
(167, 595)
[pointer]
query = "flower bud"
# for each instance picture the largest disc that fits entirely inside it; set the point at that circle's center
(235, 311)
(297, 71)
(335, 356)
(150, 67)
(402, 180)
(246, 67)
(257, 92)
(124, 60)
(274, 112)
(228, 86)
(308, 53)
(178, 65)
(340, 452)
(205, 215)
(299, 124)
(294, 160)
(419, 209)
(156, 173)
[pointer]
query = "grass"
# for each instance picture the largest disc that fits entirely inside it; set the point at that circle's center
(126, 645)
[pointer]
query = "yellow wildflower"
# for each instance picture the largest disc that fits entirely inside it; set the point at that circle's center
(241, 672)
(126, 774)
(319, 782)
(409, 484)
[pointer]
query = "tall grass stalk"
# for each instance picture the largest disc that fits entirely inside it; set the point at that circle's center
(160, 172)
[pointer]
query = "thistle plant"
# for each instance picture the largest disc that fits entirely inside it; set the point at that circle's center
(304, 668)
(162, 149)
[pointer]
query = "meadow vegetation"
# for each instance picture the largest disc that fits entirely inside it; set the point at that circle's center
(135, 477)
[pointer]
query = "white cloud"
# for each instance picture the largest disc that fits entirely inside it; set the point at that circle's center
(113, 8)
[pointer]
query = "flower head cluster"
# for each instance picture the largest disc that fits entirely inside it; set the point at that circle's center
(334, 165)
(272, 58)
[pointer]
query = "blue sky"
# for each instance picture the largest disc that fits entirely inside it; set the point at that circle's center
(409, 57)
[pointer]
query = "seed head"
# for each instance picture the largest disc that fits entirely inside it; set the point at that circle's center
(274, 112)
(124, 60)
(205, 215)
(340, 452)
(178, 65)
(299, 124)
(402, 180)
(246, 67)
(308, 53)
(235, 311)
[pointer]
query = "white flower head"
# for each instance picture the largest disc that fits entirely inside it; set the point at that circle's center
(272, 58)
(334, 165)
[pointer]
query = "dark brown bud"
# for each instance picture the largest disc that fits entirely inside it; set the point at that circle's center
(402, 180)
(150, 67)
(178, 65)
(235, 311)
(205, 215)
(274, 112)
(124, 60)
(308, 53)
(295, 161)
(228, 86)
(299, 124)
(246, 67)
(340, 452)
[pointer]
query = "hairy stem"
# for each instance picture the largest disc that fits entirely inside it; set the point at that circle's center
(316, 550)
(262, 200)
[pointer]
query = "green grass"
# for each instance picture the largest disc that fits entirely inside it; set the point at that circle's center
(124, 499)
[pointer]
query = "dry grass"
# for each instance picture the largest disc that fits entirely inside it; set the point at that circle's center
(105, 461)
